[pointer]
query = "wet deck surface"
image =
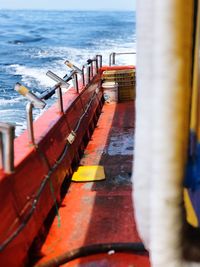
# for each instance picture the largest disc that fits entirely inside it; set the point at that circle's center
(101, 212)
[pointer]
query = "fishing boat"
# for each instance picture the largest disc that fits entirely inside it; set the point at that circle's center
(69, 175)
(67, 197)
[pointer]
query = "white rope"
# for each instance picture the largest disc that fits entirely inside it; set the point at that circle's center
(162, 111)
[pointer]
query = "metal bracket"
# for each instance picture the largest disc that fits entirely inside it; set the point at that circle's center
(36, 101)
(73, 67)
(71, 137)
(57, 79)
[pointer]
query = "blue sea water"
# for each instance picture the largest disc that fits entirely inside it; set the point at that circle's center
(33, 42)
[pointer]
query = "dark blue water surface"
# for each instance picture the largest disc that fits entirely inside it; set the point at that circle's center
(32, 42)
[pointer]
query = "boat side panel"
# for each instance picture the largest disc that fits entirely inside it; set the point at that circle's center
(35, 165)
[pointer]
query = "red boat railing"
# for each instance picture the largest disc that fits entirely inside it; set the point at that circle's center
(7, 131)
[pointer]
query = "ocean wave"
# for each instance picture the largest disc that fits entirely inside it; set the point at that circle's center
(36, 76)
(26, 40)
(15, 117)
(80, 56)
(40, 41)
(30, 76)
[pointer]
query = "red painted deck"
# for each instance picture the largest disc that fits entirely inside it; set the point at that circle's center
(101, 212)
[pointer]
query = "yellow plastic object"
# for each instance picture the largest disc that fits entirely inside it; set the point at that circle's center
(190, 212)
(89, 174)
(21, 89)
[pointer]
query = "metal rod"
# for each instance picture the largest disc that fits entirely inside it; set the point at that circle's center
(126, 53)
(75, 81)
(56, 78)
(72, 66)
(83, 75)
(96, 65)
(29, 116)
(37, 102)
(99, 59)
(88, 74)
(49, 92)
(61, 82)
(7, 146)
(92, 72)
(112, 57)
(9, 150)
(60, 99)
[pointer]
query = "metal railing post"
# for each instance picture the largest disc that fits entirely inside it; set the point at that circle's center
(75, 81)
(92, 71)
(7, 146)
(60, 99)
(99, 61)
(112, 57)
(88, 74)
(96, 65)
(83, 75)
(29, 116)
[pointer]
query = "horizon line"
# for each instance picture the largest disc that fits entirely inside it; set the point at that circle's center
(52, 9)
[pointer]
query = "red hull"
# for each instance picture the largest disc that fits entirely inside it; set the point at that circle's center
(33, 164)
(44, 168)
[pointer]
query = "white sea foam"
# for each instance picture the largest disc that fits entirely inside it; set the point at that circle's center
(5, 102)
(36, 76)
(31, 75)
(42, 47)
(9, 116)
(79, 56)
